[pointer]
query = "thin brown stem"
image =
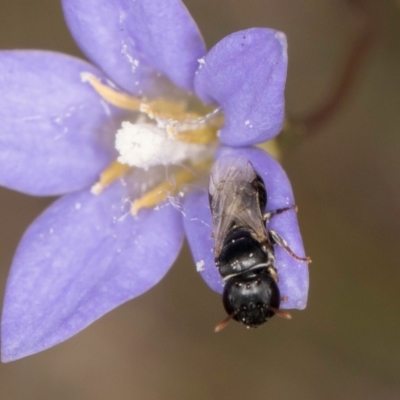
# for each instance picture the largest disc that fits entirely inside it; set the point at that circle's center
(317, 118)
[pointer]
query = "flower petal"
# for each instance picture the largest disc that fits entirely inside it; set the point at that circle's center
(130, 40)
(293, 275)
(245, 73)
(53, 126)
(198, 228)
(80, 259)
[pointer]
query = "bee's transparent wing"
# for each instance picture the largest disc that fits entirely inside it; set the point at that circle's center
(234, 199)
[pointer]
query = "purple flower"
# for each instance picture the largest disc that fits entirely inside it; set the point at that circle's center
(86, 254)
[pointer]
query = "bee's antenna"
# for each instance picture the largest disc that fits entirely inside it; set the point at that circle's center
(281, 313)
(223, 323)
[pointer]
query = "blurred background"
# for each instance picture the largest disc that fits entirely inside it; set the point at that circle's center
(345, 175)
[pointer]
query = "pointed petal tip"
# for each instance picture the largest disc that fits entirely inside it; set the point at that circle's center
(11, 351)
(7, 357)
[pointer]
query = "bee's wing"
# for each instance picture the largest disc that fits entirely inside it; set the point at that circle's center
(234, 199)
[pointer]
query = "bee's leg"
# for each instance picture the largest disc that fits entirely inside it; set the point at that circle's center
(272, 213)
(273, 273)
(277, 239)
(281, 313)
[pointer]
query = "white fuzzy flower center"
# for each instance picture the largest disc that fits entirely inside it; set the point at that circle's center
(145, 145)
(162, 132)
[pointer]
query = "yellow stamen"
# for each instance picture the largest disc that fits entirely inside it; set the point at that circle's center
(185, 126)
(112, 96)
(127, 102)
(109, 175)
(203, 135)
(165, 189)
(162, 191)
(162, 108)
(175, 113)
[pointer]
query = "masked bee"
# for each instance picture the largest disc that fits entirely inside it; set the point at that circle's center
(243, 248)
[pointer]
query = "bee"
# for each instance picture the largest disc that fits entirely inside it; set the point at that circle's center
(243, 247)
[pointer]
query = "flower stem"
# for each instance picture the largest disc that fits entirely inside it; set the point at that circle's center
(348, 76)
(297, 128)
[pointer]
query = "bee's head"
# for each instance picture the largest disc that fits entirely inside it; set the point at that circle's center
(251, 298)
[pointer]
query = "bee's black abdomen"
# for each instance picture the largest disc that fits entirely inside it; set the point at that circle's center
(240, 253)
(250, 292)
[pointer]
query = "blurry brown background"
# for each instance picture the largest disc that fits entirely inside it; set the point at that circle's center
(346, 344)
